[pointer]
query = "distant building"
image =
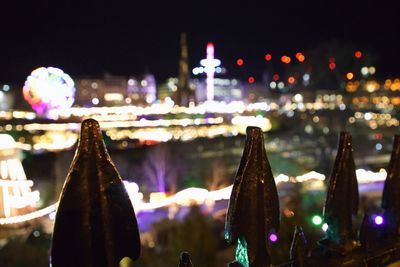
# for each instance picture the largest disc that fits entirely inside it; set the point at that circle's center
(116, 90)
(255, 92)
(142, 90)
(92, 92)
(224, 89)
(6, 97)
(170, 88)
(370, 94)
(227, 90)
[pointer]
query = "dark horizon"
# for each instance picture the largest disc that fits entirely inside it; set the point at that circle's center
(90, 39)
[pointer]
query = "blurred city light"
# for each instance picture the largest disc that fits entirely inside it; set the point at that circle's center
(300, 57)
(286, 59)
(316, 220)
(349, 75)
(273, 237)
(378, 219)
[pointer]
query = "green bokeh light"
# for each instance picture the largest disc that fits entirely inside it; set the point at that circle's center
(316, 219)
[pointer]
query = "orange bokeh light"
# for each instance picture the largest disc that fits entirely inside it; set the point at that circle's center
(286, 59)
(349, 75)
(300, 57)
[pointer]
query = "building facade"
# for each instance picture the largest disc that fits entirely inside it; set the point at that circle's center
(116, 91)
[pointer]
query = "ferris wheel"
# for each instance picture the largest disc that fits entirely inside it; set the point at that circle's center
(49, 88)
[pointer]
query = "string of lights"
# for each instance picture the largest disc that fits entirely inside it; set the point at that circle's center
(194, 195)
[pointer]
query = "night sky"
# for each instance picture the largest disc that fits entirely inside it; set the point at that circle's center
(90, 38)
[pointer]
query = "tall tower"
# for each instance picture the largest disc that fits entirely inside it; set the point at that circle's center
(209, 66)
(184, 94)
(210, 69)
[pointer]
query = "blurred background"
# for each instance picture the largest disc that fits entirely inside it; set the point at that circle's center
(174, 86)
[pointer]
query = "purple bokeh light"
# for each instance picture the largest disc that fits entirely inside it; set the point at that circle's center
(273, 237)
(378, 220)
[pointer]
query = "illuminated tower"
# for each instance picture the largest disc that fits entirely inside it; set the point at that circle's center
(184, 95)
(16, 196)
(209, 67)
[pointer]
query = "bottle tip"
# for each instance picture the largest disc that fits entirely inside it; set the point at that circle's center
(90, 122)
(345, 137)
(90, 129)
(253, 130)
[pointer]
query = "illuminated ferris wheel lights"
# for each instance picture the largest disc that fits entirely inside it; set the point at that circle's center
(49, 88)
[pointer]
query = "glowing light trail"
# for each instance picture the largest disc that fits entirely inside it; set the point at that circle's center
(192, 195)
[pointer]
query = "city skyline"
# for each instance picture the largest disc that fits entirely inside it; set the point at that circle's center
(199, 119)
(93, 39)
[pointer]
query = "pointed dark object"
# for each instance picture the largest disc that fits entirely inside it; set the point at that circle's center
(342, 199)
(253, 211)
(391, 191)
(184, 260)
(369, 233)
(95, 223)
(298, 248)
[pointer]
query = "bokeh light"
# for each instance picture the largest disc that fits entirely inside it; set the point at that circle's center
(273, 237)
(300, 57)
(286, 59)
(378, 220)
(48, 89)
(349, 75)
(316, 220)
